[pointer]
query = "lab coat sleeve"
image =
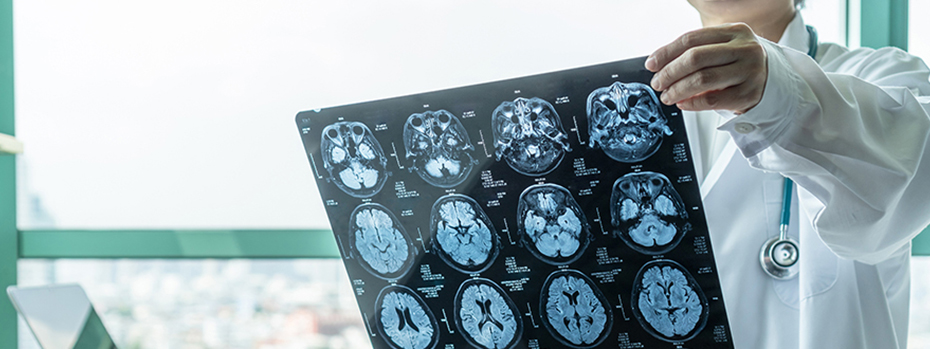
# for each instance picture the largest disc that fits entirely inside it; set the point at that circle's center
(855, 140)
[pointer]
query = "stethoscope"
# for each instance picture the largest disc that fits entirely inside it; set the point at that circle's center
(779, 255)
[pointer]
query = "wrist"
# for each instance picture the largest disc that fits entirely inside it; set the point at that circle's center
(762, 125)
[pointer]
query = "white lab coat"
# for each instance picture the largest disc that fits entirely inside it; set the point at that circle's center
(851, 132)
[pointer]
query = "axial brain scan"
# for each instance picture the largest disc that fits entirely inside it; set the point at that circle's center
(528, 135)
(668, 302)
(463, 234)
(574, 310)
(551, 223)
(380, 240)
(353, 158)
(439, 146)
(626, 121)
(486, 315)
(647, 212)
(405, 319)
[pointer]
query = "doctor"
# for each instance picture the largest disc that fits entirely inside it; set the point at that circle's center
(849, 127)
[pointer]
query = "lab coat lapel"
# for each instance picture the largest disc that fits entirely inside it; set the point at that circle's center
(725, 160)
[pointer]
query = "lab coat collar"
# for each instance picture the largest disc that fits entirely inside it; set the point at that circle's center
(795, 35)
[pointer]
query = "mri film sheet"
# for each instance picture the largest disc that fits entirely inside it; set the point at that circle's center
(557, 210)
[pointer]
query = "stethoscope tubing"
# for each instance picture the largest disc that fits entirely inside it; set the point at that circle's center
(779, 256)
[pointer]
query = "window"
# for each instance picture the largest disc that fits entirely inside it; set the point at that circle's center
(919, 336)
(144, 115)
(212, 303)
(918, 29)
(141, 115)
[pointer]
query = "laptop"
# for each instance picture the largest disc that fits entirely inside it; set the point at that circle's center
(61, 317)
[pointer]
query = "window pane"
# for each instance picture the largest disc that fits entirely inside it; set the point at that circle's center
(918, 28)
(142, 115)
(212, 303)
(171, 113)
(920, 303)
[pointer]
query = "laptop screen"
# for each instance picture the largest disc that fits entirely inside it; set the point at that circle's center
(61, 317)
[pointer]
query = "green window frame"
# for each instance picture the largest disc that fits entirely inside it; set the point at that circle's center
(880, 23)
(9, 236)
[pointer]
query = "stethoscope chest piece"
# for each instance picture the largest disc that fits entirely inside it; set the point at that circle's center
(779, 255)
(779, 258)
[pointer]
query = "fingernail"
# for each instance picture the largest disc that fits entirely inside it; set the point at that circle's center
(664, 99)
(651, 63)
(654, 83)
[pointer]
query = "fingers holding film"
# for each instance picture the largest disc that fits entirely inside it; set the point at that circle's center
(665, 54)
(702, 81)
(693, 60)
(732, 98)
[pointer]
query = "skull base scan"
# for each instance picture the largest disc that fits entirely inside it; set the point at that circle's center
(647, 212)
(486, 316)
(439, 146)
(574, 310)
(353, 158)
(625, 120)
(528, 135)
(551, 224)
(668, 302)
(463, 235)
(404, 319)
(380, 240)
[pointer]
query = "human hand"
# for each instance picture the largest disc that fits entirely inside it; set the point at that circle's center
(714, 68)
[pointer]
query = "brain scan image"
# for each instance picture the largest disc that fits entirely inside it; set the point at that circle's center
(529, 136)
(668, 302)
(625, 120)
(353, 158)
(551, 224)
(380, 240)
(647, 212)
(404, 319)
(485, 315)
(463, 234)
(574, 310)
(439, 146)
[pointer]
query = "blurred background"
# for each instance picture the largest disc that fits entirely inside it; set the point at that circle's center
(177, 114)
